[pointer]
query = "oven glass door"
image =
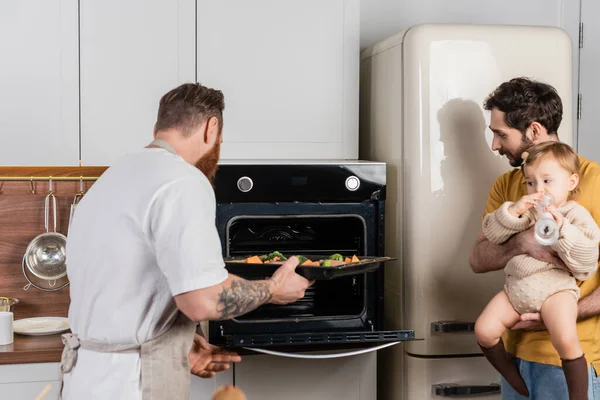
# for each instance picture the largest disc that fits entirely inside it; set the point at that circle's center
(337, 313)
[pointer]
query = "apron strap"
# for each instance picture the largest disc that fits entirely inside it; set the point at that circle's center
(164, 145)
(73, 344)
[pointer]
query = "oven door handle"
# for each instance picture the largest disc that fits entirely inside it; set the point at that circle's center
(325, 355)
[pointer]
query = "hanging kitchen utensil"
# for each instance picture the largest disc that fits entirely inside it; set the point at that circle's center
(42, 284)
(76, 200)
(45, 256)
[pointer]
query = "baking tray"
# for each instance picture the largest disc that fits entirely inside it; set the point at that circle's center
(237, 266)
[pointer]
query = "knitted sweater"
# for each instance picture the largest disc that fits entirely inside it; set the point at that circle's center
(577, 244)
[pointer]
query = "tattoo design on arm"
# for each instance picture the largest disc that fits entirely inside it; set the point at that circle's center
(241, 297)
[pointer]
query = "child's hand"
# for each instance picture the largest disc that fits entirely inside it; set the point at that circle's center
(525, 203)
(558, 217)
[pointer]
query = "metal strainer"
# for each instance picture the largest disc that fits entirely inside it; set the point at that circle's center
(45, 256)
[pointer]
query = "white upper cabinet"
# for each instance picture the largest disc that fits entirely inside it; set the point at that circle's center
(87, 86)
(132, 52)
(289, 72)
(39, 110)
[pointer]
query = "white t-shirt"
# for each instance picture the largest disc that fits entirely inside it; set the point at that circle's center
(142, 234)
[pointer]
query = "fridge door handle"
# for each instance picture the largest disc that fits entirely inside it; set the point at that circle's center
(324, 355)
(452, 326)
(452, 389)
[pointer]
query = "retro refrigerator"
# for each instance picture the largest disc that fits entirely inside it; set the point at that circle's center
(421, 112)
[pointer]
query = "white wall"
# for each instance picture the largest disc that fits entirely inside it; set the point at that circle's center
(383, 18)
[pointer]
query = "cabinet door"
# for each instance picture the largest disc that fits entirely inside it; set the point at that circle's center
(39, 103)
(132, 53)
(26, 381)
(28, 390)
(275, 378)
(289, 72)
(203, 389)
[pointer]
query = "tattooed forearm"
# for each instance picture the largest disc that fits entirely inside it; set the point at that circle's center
(241, 297)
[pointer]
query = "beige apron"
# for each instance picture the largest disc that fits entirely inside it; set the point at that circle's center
(165, 368)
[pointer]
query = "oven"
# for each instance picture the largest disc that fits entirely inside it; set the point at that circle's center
(316, 209)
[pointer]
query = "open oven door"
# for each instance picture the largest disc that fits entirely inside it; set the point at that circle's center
(319, 345)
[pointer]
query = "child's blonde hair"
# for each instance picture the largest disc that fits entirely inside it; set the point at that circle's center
(562, 153)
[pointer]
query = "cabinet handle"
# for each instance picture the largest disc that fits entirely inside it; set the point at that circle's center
(452, 326)
(452, 389)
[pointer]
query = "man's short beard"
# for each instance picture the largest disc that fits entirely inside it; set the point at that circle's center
(209, 163)
(526, 143)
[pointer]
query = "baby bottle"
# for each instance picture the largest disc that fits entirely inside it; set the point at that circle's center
(546, 228)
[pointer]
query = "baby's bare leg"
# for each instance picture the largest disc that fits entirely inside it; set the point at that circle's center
(498, 316)
(559, 313)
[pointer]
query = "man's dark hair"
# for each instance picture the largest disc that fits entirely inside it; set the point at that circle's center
(188, 106)
(524, 101)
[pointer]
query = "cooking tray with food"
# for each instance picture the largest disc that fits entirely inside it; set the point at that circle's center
(311, 266)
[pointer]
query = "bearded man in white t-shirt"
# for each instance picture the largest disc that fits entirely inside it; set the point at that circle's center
(145, 264)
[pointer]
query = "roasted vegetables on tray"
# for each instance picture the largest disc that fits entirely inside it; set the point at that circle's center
(334, 260)
(312, 267)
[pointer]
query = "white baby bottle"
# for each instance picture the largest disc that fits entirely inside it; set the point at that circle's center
(546, 228)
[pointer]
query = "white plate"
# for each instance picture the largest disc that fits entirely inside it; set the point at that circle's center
(41, 326)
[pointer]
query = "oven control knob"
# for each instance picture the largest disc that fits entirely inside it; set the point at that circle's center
(245, 184)
(352, 183)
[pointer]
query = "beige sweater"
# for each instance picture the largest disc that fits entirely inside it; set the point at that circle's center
(577, 244)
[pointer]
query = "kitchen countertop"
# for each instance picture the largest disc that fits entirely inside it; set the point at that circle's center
(32, 349)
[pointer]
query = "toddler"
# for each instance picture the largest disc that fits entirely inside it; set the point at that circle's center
(532, 285)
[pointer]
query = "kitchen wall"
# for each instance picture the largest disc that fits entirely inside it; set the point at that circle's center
(382, 18)
(75, 59)
(22, 219)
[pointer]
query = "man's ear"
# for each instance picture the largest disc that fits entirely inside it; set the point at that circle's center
(211, 131)
(537, 130)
